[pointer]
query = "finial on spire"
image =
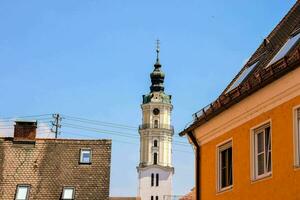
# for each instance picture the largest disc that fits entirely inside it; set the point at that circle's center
(157, 50)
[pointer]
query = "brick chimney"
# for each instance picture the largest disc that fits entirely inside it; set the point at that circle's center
(25, 130)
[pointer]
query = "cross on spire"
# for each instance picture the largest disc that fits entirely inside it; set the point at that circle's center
(157, 50)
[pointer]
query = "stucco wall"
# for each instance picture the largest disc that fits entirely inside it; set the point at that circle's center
(285, 180)
(165, 183)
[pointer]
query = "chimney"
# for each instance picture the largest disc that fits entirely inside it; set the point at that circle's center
(25, 130)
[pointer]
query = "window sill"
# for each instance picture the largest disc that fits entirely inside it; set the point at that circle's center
(262, 178)
(83, 163)
(226, 189)
(296, 167)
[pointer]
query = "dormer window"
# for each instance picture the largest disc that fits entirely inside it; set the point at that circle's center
(85, 156)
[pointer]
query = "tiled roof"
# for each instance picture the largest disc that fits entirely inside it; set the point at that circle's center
(48, 165)
(258, 72)
(124, 198)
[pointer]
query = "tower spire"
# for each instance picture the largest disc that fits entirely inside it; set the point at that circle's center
(157, 76)
(157, 50)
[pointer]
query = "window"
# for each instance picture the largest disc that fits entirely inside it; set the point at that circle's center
(156, 123)
(156, 198)
(152, 179)
(22, 192)
(285, 49)
(155, 158)
(155, 143)
(157, 179)
(262, 152)
(225, 166)
(297, 136)
(152, 198)
(68, 193)
(242, 76)
(85, 156)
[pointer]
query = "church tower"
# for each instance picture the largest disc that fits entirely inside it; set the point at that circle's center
(155, 169)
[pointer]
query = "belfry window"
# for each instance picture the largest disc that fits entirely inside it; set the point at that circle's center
(155, 143)
(156, 123)
(155, 158)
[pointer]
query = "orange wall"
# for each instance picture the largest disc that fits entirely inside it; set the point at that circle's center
(284, 184)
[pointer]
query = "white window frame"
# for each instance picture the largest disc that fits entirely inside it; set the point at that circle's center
(254, 133)
(66, 188)
(221, 147)
(81, 155)
(27, 192)
(296, 130)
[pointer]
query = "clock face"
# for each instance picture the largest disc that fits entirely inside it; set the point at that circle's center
(155, 111)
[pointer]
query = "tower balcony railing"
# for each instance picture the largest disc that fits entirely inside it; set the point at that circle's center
(160, 126)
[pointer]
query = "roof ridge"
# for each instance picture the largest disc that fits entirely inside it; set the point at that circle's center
(276, 34)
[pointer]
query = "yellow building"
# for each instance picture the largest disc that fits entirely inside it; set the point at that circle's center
(247, 142)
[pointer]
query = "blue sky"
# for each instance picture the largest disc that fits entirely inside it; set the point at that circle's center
(92, 59)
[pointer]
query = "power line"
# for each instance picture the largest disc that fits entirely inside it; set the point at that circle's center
(96, 122)
(114, 140)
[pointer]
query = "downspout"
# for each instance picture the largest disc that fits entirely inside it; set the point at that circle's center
(197, 161)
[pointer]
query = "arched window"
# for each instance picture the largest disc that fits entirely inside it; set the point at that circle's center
(152, 198)
(152, 179)
(156, 198)
(155, 158)
(155, 143)
(156, 123)
(157, 179)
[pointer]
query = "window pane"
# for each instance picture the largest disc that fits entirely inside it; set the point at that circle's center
(285, 49)
(68, 193)
(260, 164)
(22, 193)
(242, 76)
(85, 156)
(223, 177)
(230, 166)
(260, 142)
(226, 167)
(298, 137)
(269, 163)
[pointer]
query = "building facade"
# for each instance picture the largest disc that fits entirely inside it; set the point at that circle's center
(155, 169)
(247, 141)
(52, 169)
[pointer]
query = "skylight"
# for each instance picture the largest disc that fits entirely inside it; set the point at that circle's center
(285, 49)
(242, 76)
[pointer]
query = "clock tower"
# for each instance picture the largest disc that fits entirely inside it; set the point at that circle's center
(155, 169)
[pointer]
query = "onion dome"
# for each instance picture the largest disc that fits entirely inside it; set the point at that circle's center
(157, 76)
